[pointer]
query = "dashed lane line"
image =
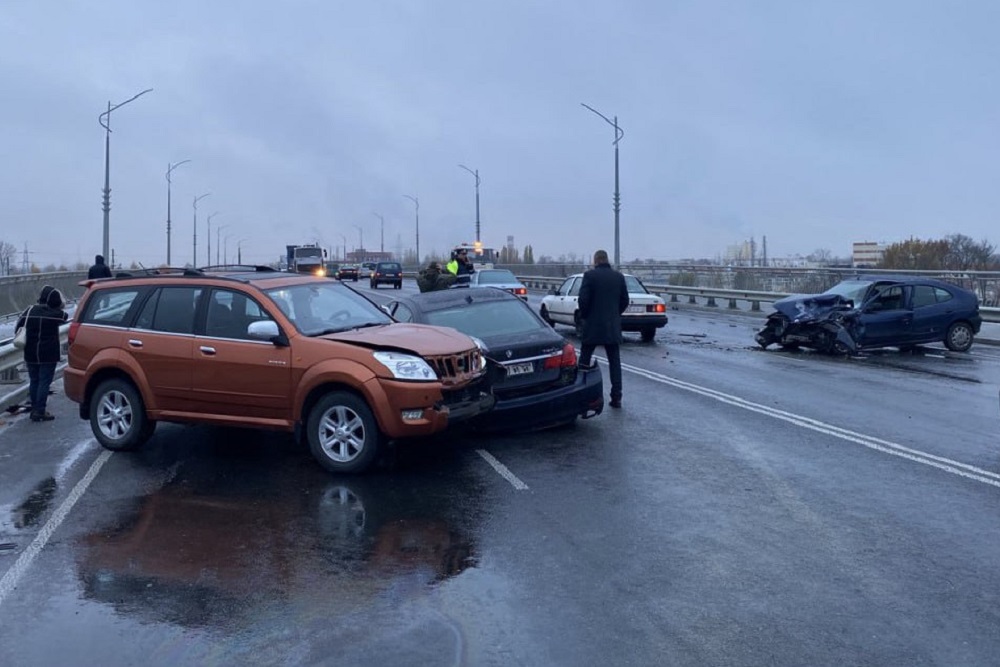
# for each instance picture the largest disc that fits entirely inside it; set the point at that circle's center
(502, 470)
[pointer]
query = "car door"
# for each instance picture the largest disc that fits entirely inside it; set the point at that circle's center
(564, 302)
(933, 309)
(232, 374)
(160, 344)
(887, 316)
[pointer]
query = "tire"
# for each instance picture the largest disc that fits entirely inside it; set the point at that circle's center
(648, 334)
(399, 285)
(118, 416)
(959, 337)
(343, 434)
(545, 316)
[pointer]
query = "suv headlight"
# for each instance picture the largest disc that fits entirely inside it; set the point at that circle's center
(406, 366)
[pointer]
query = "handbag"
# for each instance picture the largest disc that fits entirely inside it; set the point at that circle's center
(21, 338)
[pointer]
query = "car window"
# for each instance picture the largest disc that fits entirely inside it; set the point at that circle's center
(496, 277)
(634, 286)
(110, 306)
(170, 309)
(487, 318)
(315, 308)
(402, 313)
(230, 313)
(942, 295)
(923, 295)
(388, 267)
(565, 287)
(574, 289)
(887, 297)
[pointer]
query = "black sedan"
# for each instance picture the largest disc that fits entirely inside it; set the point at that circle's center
(876, 311)
(348, 272)
(539, 382)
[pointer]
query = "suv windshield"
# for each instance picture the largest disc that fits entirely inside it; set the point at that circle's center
(317, 308)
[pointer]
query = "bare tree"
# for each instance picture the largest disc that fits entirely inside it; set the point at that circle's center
(7, 252)
(968, 255)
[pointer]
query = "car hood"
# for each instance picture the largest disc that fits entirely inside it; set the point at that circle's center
(421, 339)
(798, 305)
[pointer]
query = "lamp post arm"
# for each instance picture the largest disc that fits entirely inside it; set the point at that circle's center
(100, 118)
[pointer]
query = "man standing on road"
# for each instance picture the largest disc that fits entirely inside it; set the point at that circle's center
(99, 269)
(603, 299)
(41, 325)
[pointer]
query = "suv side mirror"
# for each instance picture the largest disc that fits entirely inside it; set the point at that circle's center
(266, 330)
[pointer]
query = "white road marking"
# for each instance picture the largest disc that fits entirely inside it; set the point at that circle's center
(871, 442)
(14, 574)
(501, 469)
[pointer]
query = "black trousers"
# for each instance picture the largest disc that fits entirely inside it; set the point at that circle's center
(613, 353)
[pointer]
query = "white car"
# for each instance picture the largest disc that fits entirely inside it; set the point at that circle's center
(645, 313)
(501, 279)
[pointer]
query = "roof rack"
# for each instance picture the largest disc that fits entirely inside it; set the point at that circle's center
(159, 271)
(242, 268)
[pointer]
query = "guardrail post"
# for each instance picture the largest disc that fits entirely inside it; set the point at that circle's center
(673, 298)
(692, 300)
(755, 306)
(10, 375)
(732, 304)
(711, 302)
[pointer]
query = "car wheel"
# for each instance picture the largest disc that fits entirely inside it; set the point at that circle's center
(545, 316)
(118, 416)
(648, 334)
(343, 434)
(959, 337)
(373, 285)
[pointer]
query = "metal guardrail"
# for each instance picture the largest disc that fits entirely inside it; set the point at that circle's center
(673, 293)
(11, 359)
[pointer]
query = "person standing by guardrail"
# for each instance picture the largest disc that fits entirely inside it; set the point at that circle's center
(41, 324)
(99, 269)
(603, 299)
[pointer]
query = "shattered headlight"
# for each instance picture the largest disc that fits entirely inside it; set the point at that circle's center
(406, 366)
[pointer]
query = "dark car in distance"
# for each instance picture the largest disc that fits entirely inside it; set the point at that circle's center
(348, 272)
(876, 311)
(539, 383)
(387, 273)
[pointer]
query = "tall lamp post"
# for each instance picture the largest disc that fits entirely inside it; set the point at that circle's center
(170, 168)
(361, 237)
(416, 202)
(105, 120)
(208, 255)
(217, 230)
(344, 256)
(225, 248)
(619, 133)
(476, 174)
(239, 251)
(381, 246)
(194, 252)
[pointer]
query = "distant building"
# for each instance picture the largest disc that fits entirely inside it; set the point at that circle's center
(362, 255)
(867, 254)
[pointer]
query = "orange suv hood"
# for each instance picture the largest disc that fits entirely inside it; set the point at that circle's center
(421, 339)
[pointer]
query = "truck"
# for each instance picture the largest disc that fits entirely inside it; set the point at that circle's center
(307, 258)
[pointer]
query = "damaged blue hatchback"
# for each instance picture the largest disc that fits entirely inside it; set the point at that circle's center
(875, 311)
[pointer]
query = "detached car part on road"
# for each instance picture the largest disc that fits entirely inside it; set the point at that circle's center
(258, 348)
(539, 382)
(871, 312)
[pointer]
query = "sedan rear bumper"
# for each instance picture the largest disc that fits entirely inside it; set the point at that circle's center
(640, 322)
(584, 398)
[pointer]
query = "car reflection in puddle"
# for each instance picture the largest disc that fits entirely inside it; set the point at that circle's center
(198, 557)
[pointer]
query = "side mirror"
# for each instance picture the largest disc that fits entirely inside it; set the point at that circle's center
(265, 330)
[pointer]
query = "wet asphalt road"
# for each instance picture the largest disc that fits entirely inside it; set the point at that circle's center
(743, 508)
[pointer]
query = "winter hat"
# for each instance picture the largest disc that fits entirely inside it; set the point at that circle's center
(44, 296)
(54, 299)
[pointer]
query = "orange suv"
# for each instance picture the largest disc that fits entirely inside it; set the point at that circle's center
(255, 347)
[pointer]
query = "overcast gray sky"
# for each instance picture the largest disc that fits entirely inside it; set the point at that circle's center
(815, 123)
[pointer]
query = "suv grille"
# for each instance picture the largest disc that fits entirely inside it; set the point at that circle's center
(457, 369)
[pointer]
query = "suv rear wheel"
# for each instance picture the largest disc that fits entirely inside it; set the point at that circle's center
(343, 434)
(118, 416)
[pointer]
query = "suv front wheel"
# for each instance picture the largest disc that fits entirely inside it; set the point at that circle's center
(118, 416)
(343, 434)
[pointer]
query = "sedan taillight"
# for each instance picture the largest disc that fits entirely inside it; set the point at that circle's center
(656, 308)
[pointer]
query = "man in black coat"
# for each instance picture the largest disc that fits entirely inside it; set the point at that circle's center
(99, 269)
(41, 324)
(603, 299)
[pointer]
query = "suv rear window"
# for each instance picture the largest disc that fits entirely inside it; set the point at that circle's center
(110, 306)
(388, 266)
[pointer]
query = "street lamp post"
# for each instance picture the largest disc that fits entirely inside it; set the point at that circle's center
(239, 251)
(208, 255)
(217, 230)
(225, 248)
(194, 251)
(619, 133)
(416, 202)
(361, 237)
(105, 120)
(476, 174)
(381, 246)
(344, 256)
(170, 168)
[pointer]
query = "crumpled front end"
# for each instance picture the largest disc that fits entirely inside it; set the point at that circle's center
(827, 323)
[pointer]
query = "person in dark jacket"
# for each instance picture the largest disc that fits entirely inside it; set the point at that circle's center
(99, 269)
(432, 278)
(41, 324)
(460, 267)
(603, 299)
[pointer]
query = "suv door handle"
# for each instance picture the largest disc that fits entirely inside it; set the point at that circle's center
(133, 342)
(205, 349)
